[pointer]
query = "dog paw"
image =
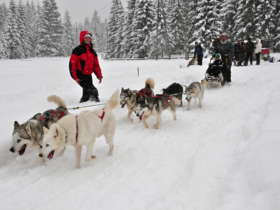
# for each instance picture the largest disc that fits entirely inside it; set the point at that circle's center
(156, 126)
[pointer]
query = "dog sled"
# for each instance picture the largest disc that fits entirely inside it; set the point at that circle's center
(214, 74)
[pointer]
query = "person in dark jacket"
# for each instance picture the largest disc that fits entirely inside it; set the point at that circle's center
(84, 62)
(226, 50)
(250, 48)
(198, 53)
(239, 52)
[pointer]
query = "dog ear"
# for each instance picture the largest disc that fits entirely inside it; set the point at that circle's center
(45, 129)
(16, 124)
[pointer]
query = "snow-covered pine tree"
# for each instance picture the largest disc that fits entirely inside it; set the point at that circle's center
(245, 19)
(50, 30)
(207, 24)
(276, 26)
(190, 11)
(264, 16)
(3, 20)
(21, 22)
(87, 25)
(128, 28)
(219, 18)
(230, 10)
(95, 29)
(68, 42)
(3, 53)
(115, 30)
(176, 25)
(11, 34)
(143, 25)
(32, 28)
(160, 40)
(3, 16)
(119, 50)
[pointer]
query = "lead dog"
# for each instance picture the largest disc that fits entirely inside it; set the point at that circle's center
(82, 130)
(30, 133)
(195, 91)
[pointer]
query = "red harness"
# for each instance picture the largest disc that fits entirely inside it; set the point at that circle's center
(102, 114)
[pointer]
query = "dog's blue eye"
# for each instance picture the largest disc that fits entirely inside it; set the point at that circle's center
(19, 140)
(47, 145)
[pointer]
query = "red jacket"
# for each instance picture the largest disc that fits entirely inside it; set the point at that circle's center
(84, 59)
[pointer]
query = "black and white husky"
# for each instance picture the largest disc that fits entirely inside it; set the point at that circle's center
(30, 134)
(195, 91)
(174, 89)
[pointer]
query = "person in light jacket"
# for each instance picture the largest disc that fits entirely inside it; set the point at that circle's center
(258, 51)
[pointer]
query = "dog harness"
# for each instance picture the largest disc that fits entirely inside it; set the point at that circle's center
(52, 114)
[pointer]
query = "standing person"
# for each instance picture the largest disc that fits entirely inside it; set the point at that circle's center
(250, 47)
(258, 51)
(226, 49)
(198, 53)
(84, 62)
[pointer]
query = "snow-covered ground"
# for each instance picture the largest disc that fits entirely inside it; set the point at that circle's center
(224, 156)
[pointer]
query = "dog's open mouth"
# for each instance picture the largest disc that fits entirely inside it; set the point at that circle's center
(122, 105)
(22, 149)
(141, 116)
(50, 156)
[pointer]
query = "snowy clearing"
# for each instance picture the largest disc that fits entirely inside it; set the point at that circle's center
(223, 156)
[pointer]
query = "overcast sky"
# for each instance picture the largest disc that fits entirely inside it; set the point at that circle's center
(79, 9)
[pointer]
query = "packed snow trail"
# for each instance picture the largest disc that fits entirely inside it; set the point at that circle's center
(210, 158)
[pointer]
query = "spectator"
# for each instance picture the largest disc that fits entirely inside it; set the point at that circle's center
(258, 51)
(198, 53)
(250, 47)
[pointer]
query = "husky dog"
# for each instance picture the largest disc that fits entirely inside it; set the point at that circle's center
(147, 106)
(176, 90)
(195, 90)
(30, 133)
(193, 61)
(129, 97)
(81, 129)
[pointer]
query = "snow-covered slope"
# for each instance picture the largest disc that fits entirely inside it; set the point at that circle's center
(223, 156)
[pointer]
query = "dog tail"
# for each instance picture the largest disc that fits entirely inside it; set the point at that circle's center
(150, 83)
(176, 101)
(57, 100)
(113, 102)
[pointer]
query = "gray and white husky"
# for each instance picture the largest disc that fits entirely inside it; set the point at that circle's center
(195, 91)
(148, 106)
(30, 134)
(129, 97)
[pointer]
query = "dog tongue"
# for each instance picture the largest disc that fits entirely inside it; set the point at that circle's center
(50, 156)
